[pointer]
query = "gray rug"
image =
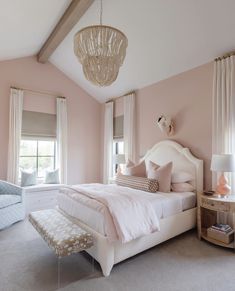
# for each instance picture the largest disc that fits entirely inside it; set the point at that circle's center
(182, 263)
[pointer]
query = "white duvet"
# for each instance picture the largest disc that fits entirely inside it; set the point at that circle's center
(128, 213)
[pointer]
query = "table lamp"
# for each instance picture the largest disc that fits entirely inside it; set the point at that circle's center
(223, 163)
(119, 159)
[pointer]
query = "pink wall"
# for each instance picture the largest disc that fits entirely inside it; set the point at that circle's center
(39, 102)
(84, 114)
(187, 98)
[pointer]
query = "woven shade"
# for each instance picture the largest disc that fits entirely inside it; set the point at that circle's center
(101, 50)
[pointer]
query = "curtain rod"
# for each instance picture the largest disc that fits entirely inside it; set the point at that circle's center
(39, 92)
(116, 98)
(225, 56)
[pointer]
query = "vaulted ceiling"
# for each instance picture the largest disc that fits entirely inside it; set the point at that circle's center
(26, 24)
(166, 37)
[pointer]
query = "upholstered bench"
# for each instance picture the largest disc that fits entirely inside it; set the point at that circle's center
(62, 235)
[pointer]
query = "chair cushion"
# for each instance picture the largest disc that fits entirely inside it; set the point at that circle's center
(7, 200)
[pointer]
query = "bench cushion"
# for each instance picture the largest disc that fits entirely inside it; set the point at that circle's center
(8, 200)
(61, 234)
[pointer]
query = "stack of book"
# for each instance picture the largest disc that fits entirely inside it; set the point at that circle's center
(221, 232)
(222, 227)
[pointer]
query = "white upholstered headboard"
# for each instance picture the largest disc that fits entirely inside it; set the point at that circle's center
(167, 151)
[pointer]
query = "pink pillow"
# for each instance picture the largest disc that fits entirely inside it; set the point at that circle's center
(162, 174)
(136, 170)
(129, 164)
(182, 187)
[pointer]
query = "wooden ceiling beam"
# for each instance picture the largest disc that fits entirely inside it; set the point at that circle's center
(71, 16)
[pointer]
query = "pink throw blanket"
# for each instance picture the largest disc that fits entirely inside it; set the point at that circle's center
(131, 211)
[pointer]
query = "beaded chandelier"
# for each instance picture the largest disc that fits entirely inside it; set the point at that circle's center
(101, 50)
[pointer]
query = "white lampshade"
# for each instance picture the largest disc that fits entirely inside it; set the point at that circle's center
(119, 159)
(223, 163)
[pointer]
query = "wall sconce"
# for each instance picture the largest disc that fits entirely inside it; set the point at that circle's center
(166, 125)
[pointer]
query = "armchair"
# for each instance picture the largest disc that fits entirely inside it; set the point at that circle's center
(12, 208)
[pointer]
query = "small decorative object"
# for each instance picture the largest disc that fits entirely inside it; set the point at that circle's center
(165, 124)
(119, 159)
(223, 163)
(101, 50)
(209, 193)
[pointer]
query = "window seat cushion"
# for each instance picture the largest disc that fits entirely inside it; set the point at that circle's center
(43, 187)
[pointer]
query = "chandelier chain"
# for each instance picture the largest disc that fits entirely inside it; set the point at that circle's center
(101, 11)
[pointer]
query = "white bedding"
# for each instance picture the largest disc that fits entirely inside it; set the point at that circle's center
(164, 204)
(128, 212)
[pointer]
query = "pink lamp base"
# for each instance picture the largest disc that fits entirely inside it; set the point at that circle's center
(223, 188)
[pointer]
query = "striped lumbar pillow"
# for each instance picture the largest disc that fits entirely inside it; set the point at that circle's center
(139, 183)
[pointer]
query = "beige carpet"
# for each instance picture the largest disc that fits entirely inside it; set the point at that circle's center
(183, 263)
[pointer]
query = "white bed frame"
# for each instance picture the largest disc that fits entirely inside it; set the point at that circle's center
(108, 254)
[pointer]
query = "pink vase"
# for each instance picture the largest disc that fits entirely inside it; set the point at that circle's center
(223, 188)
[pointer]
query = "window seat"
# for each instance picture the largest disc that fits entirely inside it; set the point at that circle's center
(41, 196)
(42, 187)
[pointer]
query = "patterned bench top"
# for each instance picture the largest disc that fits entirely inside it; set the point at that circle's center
(62, 235)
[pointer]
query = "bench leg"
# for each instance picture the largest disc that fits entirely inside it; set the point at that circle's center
(93, 265)
(58, 271)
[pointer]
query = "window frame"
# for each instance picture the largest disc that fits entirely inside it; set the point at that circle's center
(37, 156)
(116, 151)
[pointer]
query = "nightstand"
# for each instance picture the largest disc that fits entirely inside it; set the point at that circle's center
(208, 208)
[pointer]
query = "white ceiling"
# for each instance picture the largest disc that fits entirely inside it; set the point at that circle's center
(26, 24)
(166, 37)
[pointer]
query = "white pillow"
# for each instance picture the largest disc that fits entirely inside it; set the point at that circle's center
(182, 187)
(28, 178)
(181, 177)
(52, 177)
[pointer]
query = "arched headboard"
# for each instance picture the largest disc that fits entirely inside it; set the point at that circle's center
(183, 160)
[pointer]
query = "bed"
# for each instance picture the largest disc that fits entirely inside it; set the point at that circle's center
(176, 211)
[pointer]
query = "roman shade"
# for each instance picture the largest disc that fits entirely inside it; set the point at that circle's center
(118, 127)
(38, 124)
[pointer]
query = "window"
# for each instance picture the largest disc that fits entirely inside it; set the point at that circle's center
(118, 148)
(118, 143)
(37, 155)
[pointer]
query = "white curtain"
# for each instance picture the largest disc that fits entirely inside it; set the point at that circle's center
(108, 142)
(15, 124)
(223, 124)
(129, 127)
(62, 138)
